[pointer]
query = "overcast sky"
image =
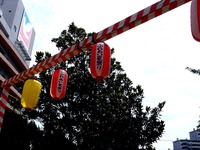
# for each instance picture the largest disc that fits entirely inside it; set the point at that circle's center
(154, 54)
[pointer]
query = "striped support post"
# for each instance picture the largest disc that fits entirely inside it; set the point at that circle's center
(3, 103)
(126, 24)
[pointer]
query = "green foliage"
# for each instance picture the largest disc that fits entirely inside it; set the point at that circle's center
(93, 114)
(17, 133)
(195, 71)
(96, 115)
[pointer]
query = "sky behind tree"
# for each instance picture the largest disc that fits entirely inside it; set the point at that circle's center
(154, 54)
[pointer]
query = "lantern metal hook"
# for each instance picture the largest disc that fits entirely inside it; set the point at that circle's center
(93, 39)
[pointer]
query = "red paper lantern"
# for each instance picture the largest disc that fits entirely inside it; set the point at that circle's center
(58, 84)
(100, 61)
(195, 19)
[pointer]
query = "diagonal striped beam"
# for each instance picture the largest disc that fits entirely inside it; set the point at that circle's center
(3, 103)
(139, 18)
(126, 24)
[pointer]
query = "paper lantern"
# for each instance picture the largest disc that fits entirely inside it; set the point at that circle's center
(100, 61)
(30, 93)
(58, 84)
(195, 19)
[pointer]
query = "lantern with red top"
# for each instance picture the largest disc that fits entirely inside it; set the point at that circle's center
(195, 19)
(100, 61)
(58, 84)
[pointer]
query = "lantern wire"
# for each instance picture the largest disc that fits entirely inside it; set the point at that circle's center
(13, 109)
(13, 97)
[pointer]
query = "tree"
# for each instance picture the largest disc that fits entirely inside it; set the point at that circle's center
(17, 133)
(195, 71)
(93, 114)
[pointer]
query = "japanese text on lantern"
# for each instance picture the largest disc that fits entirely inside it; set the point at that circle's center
(99, 56)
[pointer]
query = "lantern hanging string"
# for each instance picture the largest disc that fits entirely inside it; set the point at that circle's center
(13, 97)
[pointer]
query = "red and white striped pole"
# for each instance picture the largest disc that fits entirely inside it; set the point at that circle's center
(126, 24)
(3, 103)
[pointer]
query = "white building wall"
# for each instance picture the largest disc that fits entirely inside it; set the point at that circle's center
(10, 22)
(195, 135)
(188, 144)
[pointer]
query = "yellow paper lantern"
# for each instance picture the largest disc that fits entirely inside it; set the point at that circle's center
(30, 93)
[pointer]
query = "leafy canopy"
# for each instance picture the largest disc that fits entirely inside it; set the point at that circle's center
(93, 115)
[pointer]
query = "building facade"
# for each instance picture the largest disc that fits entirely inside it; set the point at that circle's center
(188, 144)
(16, 41)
